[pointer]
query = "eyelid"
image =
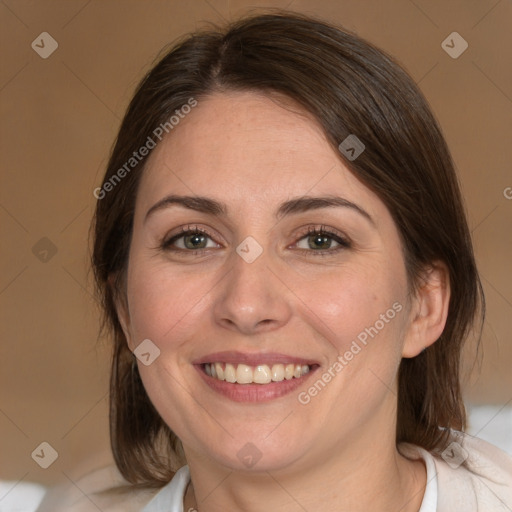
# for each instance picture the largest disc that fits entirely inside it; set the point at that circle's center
(322, 228)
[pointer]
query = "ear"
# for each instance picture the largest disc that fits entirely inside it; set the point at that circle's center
(429, 310)
(122, 310)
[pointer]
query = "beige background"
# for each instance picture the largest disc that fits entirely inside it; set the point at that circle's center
(59, 118)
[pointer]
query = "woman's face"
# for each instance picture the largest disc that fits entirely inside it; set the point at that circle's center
(253, 290)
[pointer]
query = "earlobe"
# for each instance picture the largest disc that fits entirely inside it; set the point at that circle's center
(429, 311)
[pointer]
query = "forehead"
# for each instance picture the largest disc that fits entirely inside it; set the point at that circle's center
(247, 147)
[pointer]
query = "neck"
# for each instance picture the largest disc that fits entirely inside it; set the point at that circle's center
(351, 478)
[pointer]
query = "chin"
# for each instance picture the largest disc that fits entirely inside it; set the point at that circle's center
(257, 455)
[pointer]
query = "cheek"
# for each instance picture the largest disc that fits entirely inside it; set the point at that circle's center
(359, 320)
(165, 304)
(356, 304)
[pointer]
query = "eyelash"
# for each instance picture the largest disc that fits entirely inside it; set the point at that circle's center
(343, 242)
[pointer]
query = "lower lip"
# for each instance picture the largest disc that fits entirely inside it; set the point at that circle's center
(253, 392)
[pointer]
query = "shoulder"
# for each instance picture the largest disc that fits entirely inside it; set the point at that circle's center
(102, 489)
(472, 474)
(471, 468)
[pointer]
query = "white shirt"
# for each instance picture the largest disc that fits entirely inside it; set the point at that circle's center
(170, 497)
(20, 496)
(482, 482)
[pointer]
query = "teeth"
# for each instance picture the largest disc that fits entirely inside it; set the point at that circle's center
(229, 373)
(277, 373)
(288, 371)
(243, 374)
(219, 371)
(260, 374)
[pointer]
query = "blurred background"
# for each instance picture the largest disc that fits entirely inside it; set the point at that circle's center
(68, 71)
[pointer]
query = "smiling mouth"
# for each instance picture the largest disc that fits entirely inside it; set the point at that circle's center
(258, 374)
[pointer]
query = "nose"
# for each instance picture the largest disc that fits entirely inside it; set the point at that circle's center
(251, 298)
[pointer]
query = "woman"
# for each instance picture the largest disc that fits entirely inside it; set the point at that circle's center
(285, 263)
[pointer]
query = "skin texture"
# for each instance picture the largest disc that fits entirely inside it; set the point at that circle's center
(337, 452)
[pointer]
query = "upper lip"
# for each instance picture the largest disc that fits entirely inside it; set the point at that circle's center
(252, 359)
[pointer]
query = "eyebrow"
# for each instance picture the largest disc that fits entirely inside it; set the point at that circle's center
(296, 205)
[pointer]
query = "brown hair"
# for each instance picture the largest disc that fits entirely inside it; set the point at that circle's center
(351, 88)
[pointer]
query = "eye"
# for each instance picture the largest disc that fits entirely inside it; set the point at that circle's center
(317, 241)
(189, 239)
(321, 240)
